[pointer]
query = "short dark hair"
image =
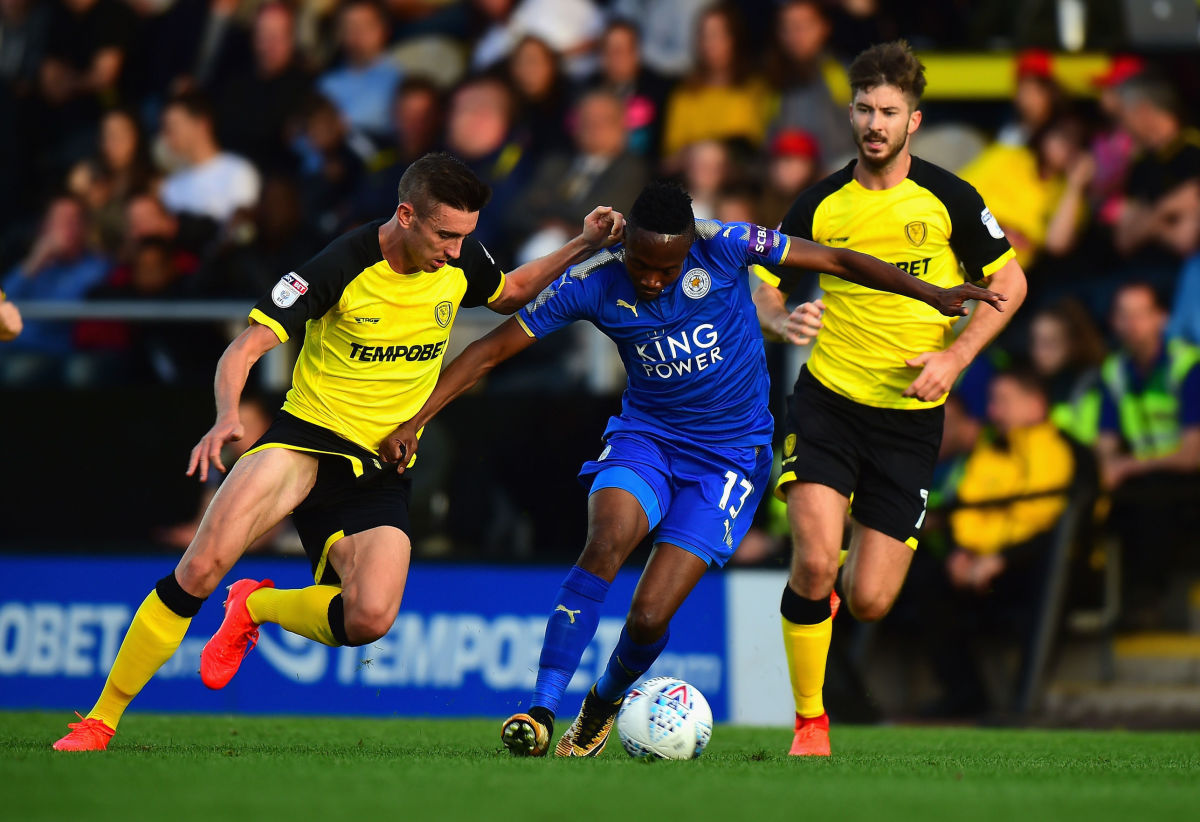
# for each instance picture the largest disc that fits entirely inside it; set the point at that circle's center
(1026, 379)
(1153, 88)
(889, 64)
(195, 103)
(1157, 297)
(442, 179)
(663, 208)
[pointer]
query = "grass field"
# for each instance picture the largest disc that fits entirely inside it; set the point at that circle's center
(180, 768)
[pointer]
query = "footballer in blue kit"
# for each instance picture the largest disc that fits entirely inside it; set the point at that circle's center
(688, 457)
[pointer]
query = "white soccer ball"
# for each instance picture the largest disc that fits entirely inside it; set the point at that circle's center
(665, 718)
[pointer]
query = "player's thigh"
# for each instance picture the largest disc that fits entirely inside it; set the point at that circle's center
(874, 572)
(262, 488)
(373, 567)
(617, 523)
(716, 492)
(670, 575)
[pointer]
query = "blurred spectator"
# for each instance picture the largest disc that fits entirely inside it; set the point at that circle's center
(566, 186)
(363, 87)
(1039, 98)
(706, 170)
(1112, 149)
(569, 27)
(330, 171)
(86, 52)
(146, 217)
(211, 182)
(668, 31)
(60, 266)
(417, 116)
(255, 110)
(195, 45)
(10, 320)
(792, 167)
(494, 40)
(1182, 235)
(1023, 186)
(1066, 351)
(479, 132)
(642, 90)
(1011, 496)
(812, 86)
(1150, 410)
(1149, 453)
(1169, 155)
(23, 29)
(736, 203)
(535, 71)
(721, 98)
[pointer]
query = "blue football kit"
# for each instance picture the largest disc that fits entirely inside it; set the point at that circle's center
(693, 440)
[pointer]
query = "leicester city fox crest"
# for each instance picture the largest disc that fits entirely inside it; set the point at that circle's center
(442, 313)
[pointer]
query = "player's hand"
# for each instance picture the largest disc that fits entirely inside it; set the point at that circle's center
(603, 227)
(952, 301)
(208, 450)
(399, 447)
(939, 370)
(802, 325)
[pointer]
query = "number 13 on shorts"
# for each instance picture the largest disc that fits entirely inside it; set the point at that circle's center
(731, 481)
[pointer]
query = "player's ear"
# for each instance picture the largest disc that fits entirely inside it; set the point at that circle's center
(405, 215)
(914, 120)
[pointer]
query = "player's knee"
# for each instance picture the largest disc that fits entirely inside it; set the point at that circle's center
(601, 556)
(646, 623)
(868, 605)
(814, 573)
(200, 575)
(367, 623)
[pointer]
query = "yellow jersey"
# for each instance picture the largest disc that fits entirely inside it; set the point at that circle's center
(373, 338)
(934, 226)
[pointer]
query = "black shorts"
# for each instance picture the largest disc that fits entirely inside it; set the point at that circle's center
(881, 457)
(354, 492)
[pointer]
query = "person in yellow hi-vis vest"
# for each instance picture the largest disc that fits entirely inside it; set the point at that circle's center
(1149, 450)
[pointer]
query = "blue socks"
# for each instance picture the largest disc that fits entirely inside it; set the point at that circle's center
(627, 664)
(570, 628)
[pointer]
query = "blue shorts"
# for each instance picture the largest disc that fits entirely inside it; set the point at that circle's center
(699, 498)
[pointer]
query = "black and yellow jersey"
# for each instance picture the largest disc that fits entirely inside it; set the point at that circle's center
(374, 338)
(934, 226)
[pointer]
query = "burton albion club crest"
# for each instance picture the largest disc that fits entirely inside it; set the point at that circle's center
(442, 313)
(916, 232)
(696, 283)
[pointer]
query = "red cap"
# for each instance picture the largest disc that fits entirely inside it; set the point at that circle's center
(1120, 69)
(1036, 63)
(794, 142)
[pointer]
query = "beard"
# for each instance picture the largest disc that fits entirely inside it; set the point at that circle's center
(879, 162)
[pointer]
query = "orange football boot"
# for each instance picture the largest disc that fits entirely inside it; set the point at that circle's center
(237, 636)
(812, 736)
(85, 735)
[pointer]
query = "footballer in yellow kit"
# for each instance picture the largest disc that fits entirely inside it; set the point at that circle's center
(376, 308)
(865, 417)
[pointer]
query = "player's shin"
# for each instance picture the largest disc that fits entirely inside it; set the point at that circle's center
(157, 629)
(571, 626)
(628, 662)
(309, 612)
(807, 631)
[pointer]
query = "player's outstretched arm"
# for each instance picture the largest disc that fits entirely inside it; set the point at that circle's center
(232, 370)
(866, 270)
(602, 228)
(939, 369)
(468, 368)
(797, 327)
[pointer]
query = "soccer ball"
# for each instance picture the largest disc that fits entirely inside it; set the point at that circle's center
(666, 718)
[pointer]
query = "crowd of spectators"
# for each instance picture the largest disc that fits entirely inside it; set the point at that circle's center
(188, 149)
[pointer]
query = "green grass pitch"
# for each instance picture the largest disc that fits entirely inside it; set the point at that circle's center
(247, 769)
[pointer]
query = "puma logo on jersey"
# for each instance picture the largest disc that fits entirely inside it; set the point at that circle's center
(570, 614)
(623, 304)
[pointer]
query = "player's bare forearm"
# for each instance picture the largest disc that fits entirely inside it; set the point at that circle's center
(983, 326)
(771, 306)
(233, 369)
(601, 228)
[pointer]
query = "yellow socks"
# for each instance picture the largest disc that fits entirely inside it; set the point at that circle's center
(303, 611)
(807, 631)
(153, 636)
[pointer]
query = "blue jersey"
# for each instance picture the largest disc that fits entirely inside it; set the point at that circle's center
(694, 356)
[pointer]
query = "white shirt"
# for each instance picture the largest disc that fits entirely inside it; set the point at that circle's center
(216, 188)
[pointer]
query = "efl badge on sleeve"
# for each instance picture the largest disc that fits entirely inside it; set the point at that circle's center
(290, 288)
(916, 232)
(442, 313)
